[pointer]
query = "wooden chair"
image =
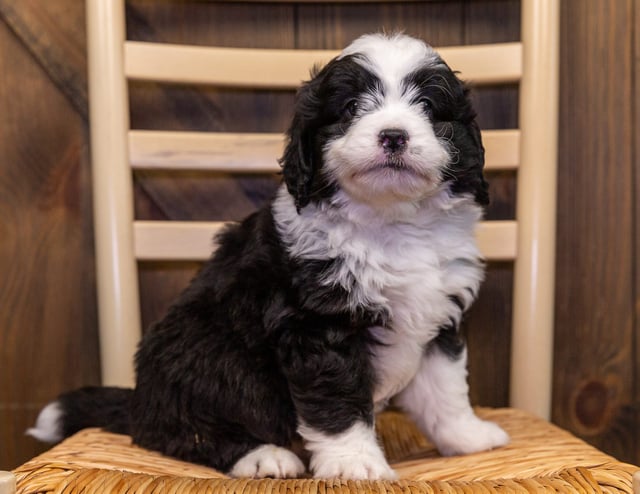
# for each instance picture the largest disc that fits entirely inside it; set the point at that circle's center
(540, 457)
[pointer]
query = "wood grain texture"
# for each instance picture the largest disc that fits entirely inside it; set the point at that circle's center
(333, 26)
(17, 448)
(48, 340)
(54, 34)
(594, 361)
(635, 355)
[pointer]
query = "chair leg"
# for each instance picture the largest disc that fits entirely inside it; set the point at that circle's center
(7, 483)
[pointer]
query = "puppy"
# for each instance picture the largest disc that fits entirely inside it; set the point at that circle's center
(343, 294)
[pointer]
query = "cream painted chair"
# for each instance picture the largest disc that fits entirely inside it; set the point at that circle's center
(541, 457)
(121, 241)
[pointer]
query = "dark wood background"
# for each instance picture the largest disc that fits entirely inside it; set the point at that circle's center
(48, 334)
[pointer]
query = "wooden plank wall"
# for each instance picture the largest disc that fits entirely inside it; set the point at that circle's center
(48, 335)
(596, 388)
(48, 339)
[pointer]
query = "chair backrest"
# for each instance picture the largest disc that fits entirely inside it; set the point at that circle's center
(121, 241)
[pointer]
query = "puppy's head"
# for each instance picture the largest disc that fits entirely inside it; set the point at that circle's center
(385, 121)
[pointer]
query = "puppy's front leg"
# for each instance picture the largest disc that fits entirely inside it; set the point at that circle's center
(350, 454)
(331, 381)
(438, 401)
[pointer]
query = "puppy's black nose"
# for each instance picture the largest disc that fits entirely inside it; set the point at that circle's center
(393, 140)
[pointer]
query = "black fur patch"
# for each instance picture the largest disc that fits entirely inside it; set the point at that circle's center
(95, 406)
(449, 341)
(449, 108)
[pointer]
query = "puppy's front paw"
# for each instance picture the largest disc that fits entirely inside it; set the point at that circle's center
(469, 435)
(363, 466)
(351, 454)
(268, 461)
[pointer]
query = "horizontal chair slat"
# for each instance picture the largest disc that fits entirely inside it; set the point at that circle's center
(502, 149)
(498, 240)
(286, 69)
(316, 1)
(194, 240)
(259, 153)
(224, 152)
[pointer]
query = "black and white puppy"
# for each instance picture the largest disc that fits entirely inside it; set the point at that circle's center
(343, 294)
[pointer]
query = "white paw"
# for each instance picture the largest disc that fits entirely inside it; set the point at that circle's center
(268, 461)
(351, 454)
(363, 466)
(468, 435)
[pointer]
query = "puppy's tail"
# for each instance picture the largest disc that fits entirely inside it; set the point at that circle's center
(105, 407)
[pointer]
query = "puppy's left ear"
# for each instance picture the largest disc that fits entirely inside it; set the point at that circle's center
(469, 168)
(480, 185)
(301, 158)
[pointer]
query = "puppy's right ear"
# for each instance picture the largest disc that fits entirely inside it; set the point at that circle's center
(302, 157)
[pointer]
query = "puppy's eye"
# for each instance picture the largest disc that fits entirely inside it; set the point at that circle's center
(351, 108)
(427, 106)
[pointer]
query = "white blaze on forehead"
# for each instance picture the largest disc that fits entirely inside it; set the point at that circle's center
(355, 159)
(392, 58)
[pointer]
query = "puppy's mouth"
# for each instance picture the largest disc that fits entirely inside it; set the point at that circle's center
(394, 165)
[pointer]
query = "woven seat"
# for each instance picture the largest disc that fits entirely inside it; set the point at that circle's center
(540, 458)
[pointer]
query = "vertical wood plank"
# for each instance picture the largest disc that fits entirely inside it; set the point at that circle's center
(48, 341)
(635, 357)
(594, 387)
(54, 33)
(17, 448)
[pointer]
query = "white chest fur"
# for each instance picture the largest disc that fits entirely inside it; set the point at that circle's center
(409, 261)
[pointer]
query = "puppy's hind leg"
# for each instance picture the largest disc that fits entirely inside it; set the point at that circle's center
(437, 399)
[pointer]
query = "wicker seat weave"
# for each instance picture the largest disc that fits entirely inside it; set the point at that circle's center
(540, 458)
